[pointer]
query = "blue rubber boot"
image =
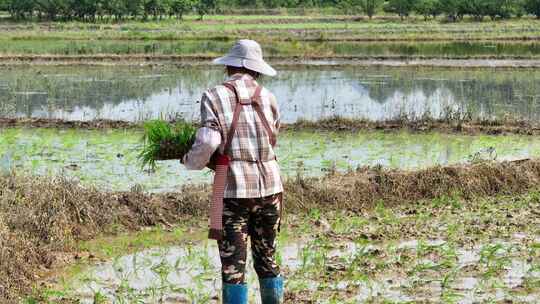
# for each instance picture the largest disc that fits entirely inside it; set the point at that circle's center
(235, 293)
(271, 290)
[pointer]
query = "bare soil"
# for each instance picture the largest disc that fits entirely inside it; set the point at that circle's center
(480, 61)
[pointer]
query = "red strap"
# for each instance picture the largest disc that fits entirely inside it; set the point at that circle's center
(255, 102)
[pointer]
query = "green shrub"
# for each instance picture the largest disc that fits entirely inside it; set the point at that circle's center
(533, 7)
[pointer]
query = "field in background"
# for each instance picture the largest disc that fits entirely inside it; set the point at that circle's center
(284, 38)
(277, 28)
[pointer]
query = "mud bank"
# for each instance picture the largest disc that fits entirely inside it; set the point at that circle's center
(332, 124)
(280, 61)
(42, 218)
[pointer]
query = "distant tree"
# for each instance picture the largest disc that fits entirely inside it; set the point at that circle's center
(53, 8)
(116, 8)
(275, 3)
(454, 9)
(519, 8)
(533, 7)
(477, 8)
(427, 8)
(401, 7)
(83, 9)
(180, 7)
(134, 8)
(349, 6)
(20, 9)
(370, 7)
(305, 3)
(246, 3)
(155, 8)
(89, 9)
(500, 8)
(204, 7)
(515, 8)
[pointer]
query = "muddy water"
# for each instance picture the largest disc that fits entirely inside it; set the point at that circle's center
(373, 93)
(108, 159)
(190, 274)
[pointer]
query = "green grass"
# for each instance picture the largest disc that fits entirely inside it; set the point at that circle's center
(204, 49)
(278, 28)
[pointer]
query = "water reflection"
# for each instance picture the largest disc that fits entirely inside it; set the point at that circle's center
(374, 93)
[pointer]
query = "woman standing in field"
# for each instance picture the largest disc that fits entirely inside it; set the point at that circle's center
(240, 120)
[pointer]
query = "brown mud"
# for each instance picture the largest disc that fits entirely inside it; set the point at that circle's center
(42, 218)
(495, 127)
(480, 61)
(499, 127)
(58, 123)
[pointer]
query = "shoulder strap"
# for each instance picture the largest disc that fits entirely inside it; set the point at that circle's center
(258, 108)
(236, 115)
(255, 102)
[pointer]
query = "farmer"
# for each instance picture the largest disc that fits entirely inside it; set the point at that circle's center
(240, 120)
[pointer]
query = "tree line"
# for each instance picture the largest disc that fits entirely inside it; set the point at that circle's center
(90, 10)
(458, 9)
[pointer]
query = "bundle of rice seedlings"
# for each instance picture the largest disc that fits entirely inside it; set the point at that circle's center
(165, 141)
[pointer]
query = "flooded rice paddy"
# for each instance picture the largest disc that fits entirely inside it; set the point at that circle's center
(108, 158)
(190, 274)
(344, 258)
(311, 93)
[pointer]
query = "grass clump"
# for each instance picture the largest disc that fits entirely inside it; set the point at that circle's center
(165, 141)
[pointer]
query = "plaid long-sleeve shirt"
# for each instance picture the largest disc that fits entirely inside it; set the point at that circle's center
(254, 171)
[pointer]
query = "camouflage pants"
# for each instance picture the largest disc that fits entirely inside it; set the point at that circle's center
(259, 219)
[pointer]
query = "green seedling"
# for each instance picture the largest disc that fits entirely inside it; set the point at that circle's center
(494, 257)
(163, 141)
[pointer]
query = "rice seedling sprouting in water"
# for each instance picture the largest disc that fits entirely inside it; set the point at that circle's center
(165, 141)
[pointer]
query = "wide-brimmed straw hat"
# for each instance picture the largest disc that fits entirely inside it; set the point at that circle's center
(247, 54)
